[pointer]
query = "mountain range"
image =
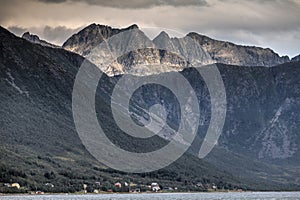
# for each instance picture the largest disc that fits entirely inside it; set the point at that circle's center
(258, 148)
(208, 50)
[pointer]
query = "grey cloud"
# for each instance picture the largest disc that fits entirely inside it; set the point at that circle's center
(17, 30)
(58, 34)
(268, 23)
(53, 1)
(135, 4)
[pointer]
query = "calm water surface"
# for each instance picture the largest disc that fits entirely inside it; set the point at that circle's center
(173, 196)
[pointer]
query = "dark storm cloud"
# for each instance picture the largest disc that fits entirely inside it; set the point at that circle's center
(135, 4)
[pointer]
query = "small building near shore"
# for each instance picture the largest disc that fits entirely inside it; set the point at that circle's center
(155, 187)
(7, 184)
(96, 191)
(118, 185)
(16, 185)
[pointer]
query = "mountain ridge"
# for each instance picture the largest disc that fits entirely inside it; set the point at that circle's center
(35, 39)
(241, 54)
(208, 50)
(296, 58)
(90, 36)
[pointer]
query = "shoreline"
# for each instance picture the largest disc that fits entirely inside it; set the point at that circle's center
(143, 193)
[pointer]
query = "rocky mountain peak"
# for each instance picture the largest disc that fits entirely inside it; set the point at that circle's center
(230, 53)
(163, 41)
(201, 39)
(162, 35)
(133, 26)
(91, 36)
(30, 37)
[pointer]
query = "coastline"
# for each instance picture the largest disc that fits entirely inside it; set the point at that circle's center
(140, 193)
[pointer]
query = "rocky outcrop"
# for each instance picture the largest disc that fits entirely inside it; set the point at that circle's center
(232, 54)
(35, 39)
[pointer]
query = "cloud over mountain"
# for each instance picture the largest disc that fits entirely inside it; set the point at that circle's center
(272, 24)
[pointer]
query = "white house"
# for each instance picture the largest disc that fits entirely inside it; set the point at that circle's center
(155, 187)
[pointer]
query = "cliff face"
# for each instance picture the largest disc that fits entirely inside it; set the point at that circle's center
(232, 54)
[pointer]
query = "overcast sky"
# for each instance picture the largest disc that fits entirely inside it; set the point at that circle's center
(267, 23)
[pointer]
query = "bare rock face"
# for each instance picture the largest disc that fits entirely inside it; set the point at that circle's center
(229, 53)
(194, 48)
(91, 36)
(166, 51)
(140, 56)
(185, 47)
(151, 61)
(106, 55)
(35, 39)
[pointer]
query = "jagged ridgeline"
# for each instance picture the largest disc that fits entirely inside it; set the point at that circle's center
(258, 149)
(207, 51)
